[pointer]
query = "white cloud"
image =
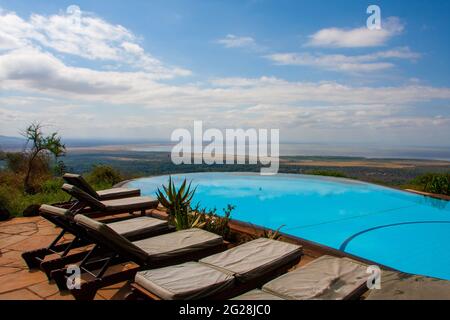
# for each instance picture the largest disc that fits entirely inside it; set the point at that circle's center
(339, 62)
(233, 41)
(38, 83)
(81, 34)
(358, 37)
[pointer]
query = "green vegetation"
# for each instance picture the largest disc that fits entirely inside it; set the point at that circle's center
(326, 173)
(104, 177)
(210, 221)
(433, 182)
(41, 148)
(267, 233)
(177, 202)
(33, 177)
(15, 200)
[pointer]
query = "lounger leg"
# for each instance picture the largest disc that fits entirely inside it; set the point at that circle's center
(133, 295)
(87, 290)
(59, 276)
(49, 266)
(33, 258)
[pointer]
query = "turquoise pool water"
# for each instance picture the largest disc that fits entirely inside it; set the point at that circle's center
(405, 231)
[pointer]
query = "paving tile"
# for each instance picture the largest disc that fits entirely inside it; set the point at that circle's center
(31, 243)
(115, 291)
(21, 279)
(22, 294)
(61, 296)
(12, 259)
(28, 233)
(44, 289)
(48, 231)
(19, 220)
(8, 270)
(4, 235)
(8, 257)
(19, 228)
(99, 297)
(11, 240)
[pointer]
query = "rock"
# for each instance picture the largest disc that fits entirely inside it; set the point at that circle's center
(4, 214)
(32, 211)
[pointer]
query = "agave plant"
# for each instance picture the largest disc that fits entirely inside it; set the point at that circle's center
(177, 202)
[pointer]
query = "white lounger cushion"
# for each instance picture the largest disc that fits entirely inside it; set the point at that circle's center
(203, 279)
(251, 259)
(155, 248)
(130, 204)
(116, 193)
(326, 278)
(186, 281)
(400, 286)
(176, 243)
(136, 226)
(257, 295)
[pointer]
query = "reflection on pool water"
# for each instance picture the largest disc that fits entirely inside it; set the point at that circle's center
(404, 231)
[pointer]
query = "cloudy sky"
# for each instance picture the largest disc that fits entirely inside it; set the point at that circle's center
(140, 69)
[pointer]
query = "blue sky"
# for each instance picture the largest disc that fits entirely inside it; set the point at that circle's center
(143, 68)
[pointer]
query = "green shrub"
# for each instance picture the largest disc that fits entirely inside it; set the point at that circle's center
(326, 173)
(15, 200)
(103, 177)
(210, 221)
(434, 183)
(52, 185)
(15, 161)
(5, 198)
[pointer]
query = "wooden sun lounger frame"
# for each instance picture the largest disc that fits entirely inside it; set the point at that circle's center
(140, 293)
(108, 256)
(36, 258)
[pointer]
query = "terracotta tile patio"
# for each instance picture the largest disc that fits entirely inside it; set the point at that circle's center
(16, 281)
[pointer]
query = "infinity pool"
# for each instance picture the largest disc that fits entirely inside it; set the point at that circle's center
(407, 232)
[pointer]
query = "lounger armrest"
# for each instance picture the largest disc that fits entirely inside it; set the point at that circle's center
(82, 196)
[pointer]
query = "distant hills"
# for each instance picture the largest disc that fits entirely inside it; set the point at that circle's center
(17, 143)
(11, 143)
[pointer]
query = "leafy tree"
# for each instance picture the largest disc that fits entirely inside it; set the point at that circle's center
(40, 144)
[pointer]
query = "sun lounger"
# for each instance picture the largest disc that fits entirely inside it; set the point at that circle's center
(131, 228)
(326, 278)
(402, 286)
(219, 276)
(109, 194)
(107, 207)
(155, 252)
